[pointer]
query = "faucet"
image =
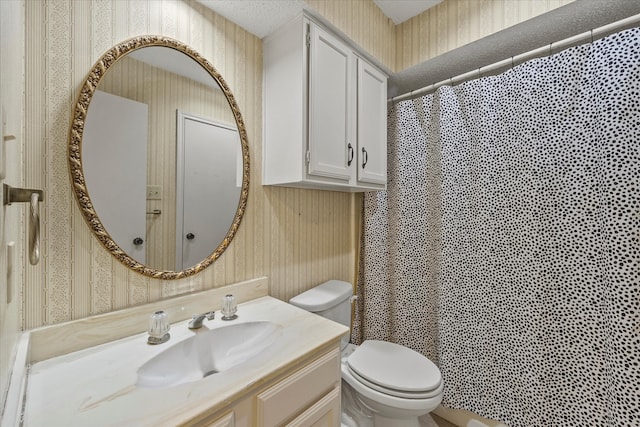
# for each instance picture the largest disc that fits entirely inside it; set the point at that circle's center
(196, 321)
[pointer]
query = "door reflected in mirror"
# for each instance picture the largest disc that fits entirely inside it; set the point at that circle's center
(204, 210)
(164, 159)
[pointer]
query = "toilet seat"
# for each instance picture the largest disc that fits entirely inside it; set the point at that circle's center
(395, 370)
(393, 392)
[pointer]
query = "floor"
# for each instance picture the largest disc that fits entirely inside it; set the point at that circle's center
(441, 422)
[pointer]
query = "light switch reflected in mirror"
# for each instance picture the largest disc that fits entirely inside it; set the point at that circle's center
(159, 161)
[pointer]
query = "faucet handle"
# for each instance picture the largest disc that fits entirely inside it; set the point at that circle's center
(229, 307)
(158, 328)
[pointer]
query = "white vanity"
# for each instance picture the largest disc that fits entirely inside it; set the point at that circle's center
(294, 380)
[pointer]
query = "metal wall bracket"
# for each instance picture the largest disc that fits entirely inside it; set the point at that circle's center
(24, 195)
(19, 195)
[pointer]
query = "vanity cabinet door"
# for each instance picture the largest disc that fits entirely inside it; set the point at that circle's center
(227, 420)
(331, 107)
(325, 413)
(305, 390)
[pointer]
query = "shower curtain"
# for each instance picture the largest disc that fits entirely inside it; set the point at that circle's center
(507, 245)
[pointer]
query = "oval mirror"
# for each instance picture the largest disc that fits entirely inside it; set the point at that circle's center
(158, 157)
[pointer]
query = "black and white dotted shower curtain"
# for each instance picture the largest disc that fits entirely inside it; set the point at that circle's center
(507, 246)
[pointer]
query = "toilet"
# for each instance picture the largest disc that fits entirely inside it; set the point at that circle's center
(383, 384)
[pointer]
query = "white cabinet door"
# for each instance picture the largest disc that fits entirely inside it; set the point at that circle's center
(331, 105)
(300, 391)
(325, 413)
(372, 124)
(224, 421)
(321, 110)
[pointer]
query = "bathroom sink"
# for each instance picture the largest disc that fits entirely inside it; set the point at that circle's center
(208, 352)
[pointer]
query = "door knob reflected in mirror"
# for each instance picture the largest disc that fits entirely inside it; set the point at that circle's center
(191, 236)
(138, 241)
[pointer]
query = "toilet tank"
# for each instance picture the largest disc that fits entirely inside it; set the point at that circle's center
(331, 300)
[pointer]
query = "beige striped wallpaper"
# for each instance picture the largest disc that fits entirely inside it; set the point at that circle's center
(295, 237)
(364, 23)
(447, 26)
(455, 23)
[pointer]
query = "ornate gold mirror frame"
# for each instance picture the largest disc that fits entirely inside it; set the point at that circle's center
(75, 153)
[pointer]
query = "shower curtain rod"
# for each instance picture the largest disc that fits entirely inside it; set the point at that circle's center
(547, 50)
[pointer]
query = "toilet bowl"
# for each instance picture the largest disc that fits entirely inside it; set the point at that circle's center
(383, 384)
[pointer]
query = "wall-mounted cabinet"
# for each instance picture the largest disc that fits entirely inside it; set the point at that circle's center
(325, 112)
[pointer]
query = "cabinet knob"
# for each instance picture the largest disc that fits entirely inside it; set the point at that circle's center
(191, 236)
(365, 157)
(350, 154)
(138, 241)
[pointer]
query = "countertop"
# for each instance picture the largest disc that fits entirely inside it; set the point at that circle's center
(97, 386)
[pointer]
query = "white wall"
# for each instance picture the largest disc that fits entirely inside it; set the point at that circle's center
(11, 217)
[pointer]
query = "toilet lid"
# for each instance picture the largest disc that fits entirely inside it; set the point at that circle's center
(394, 369)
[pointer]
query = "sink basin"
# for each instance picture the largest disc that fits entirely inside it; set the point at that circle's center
(208, 353)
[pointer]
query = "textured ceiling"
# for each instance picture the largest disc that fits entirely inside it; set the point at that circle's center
(261, 17)
(401, 10)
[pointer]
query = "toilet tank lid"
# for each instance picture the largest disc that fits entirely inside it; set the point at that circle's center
(323, 296)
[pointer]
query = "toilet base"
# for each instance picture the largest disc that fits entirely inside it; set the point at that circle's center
(356, 413)
(423, 421)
